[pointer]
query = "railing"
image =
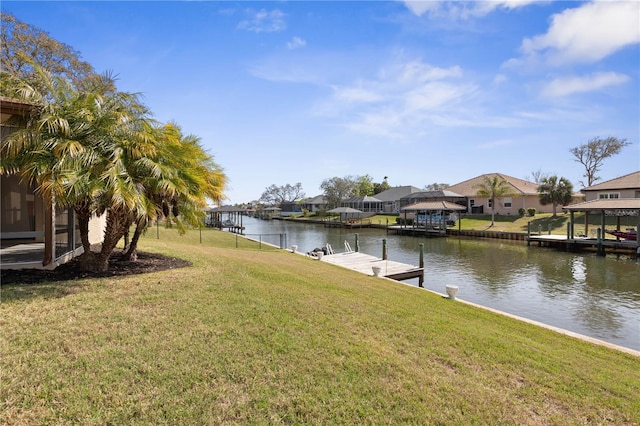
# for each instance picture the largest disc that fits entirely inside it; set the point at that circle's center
(281, 239)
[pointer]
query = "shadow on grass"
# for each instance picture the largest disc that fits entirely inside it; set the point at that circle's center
(62, 281)
(548, 223)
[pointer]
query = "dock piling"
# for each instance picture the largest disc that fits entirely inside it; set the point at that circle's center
(421, 266)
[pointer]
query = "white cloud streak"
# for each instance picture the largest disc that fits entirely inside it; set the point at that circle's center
(569, 85)
(296, 43)
(462, 9)
(264, 21)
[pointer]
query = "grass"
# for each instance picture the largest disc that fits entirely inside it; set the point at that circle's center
(540, 222)
(263, 336)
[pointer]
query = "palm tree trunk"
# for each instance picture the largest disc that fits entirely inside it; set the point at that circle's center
(83, 214)
(116, 221)
(132, 252)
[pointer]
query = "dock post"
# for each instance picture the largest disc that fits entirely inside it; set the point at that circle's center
(384, 249)
(421, 277)
(600, 246)
(357, 243)
(529, 233)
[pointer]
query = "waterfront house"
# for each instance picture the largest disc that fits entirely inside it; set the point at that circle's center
(314, 204)
(627, 186)
(366, 204)
(524, 194)
(433, 196)
(34, 232)
(390, 198)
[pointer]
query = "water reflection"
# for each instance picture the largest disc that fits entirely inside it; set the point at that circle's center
(584, 293)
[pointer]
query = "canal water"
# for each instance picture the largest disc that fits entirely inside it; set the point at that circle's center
(595, 296)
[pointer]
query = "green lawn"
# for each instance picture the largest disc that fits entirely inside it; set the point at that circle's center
(540, 222)
(264, 336)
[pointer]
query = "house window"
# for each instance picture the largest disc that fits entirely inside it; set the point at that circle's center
(507, 202)
(608, 195)
(489, 203)
(472, 202)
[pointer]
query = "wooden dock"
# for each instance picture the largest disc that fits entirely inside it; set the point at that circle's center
(363, 263)
(561, 241)
(355, 223)
(427, 231)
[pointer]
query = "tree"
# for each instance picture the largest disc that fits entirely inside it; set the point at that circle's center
(276, 195)
(381, 187)
(24, 46)
(493, 187)
(555, 191)
(337, 189)
(97, 152)
(184, 177)
(436, 186)
(592, 154)
(364, 186)
(537, 176)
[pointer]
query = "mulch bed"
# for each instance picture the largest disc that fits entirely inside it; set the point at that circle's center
(147, 262)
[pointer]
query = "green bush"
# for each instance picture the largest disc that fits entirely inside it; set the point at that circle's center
(531, 211)
(403, 221)
(521, 211)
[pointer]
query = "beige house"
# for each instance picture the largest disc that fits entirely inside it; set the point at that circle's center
(627, 186)
(34, 233)
(524, 194)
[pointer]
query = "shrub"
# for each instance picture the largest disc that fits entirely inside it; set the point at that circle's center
(521, 211)
(403, 221)
(531, 211)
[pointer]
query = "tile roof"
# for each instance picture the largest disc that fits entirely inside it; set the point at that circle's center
(518, 186)
(630, 181)
(394, 194)
(606, 204)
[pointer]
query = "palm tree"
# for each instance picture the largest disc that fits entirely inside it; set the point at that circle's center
(184, 177)
(76, 151)
(493, 187)
(555, 191)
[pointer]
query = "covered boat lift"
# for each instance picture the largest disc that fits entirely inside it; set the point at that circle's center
(429, 208)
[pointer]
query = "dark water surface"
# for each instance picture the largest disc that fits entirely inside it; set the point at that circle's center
(595, 296)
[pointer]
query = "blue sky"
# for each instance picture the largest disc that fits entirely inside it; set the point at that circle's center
(421, 92)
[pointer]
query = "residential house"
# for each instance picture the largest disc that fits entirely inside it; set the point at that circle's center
(627, 186)
(365, 204)
(431, 196)
(524, 194)
(34, 232)
(390, 198)
(315, 204)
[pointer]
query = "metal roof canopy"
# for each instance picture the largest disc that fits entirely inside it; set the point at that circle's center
(227, 209)
(607, 204)
(433, 206)
(617, 207)
(344, 210)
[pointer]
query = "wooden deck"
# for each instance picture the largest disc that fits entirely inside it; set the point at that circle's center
(363, 263)
(562, 241)
(428, 231)
(354, 223)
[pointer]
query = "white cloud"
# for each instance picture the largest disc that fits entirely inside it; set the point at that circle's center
(420, 7)
(462, 9)
(296, 43)
(264, 21)
(402, 99)
(570, 85)
(588, 33)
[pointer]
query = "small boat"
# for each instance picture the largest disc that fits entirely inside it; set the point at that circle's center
(629, 234)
